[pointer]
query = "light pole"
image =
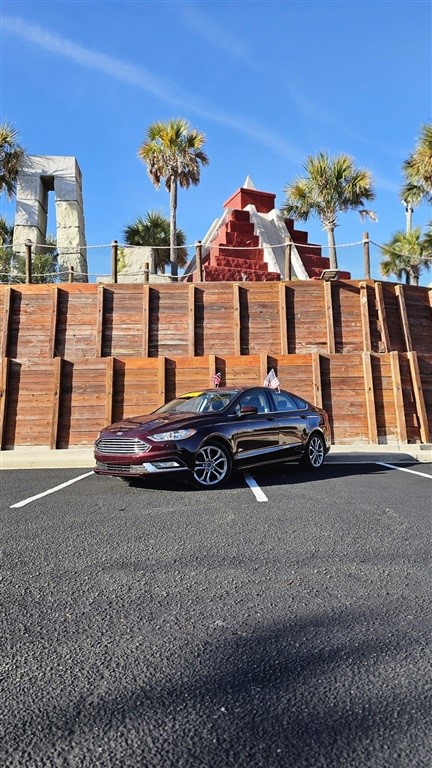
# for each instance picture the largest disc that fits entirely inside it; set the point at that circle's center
(409, 212)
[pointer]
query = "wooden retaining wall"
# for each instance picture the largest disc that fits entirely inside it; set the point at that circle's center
(74, 357)
(62, 402)
(195, 319)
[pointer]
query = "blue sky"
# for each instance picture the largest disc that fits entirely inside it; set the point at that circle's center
(268, 82)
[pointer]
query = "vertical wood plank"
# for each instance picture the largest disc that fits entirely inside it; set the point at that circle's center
(364, 311)
(145, 321)
(237, 319)
(329, 317)
(99, 319)
(109, 390)
(283, 319)
(398, 397)
(161, 380)
(419, 397)
(370, 397)
(191, 318)
(4, 371)
(211, 368)
(400, 296)
(316, 378)
(6, 321)
(382, 317)
(263, 366)
(53, 321)
(56, 399)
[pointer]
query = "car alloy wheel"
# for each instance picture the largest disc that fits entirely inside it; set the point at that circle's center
(315, 452)
(212, 466)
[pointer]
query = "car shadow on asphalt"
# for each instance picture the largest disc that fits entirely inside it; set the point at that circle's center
(293, 474)
(277, 475)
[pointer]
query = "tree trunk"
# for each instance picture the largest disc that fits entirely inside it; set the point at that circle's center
(332, 248)
(173, 228)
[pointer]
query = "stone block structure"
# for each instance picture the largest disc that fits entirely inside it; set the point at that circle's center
(39, 175)
(135, 265)
(135, 258)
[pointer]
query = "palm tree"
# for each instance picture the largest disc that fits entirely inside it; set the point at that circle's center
(45, 262)
(333, 185)
(406, 255)
(11, 156)
(6, 236)
(173, 151)
(12, 265)
(154, 231)
(427, 239)
(418, 170)
(6, 232)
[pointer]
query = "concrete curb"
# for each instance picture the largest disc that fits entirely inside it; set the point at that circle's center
(359, 453)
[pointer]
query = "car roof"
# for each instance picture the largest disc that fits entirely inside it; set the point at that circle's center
(213, 390)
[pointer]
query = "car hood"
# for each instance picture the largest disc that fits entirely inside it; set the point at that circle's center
(151, 422)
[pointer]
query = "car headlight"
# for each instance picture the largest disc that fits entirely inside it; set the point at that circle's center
(175, 434)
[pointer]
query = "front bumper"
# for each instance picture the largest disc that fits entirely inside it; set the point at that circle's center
(168, 457)
(121, 469)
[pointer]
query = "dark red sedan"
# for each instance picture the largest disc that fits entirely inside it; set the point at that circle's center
(210, 433)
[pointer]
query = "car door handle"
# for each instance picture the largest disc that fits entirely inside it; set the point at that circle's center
(302, 416)
(270, 418)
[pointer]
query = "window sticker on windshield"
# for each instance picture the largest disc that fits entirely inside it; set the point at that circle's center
(192, 394)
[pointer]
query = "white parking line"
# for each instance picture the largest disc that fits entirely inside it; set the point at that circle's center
(404, 469)
(256, 490)
(50, 490)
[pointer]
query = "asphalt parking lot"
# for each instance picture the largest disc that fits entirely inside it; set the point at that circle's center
(281, 621)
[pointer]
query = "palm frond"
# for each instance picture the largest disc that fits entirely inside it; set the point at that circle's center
(406, 253)
(153, 230)
(332, 185)
(417, 170)
(11, 157)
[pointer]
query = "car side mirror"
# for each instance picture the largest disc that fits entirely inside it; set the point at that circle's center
(247, 410)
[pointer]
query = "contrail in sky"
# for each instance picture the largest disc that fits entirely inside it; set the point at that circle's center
(208, 28)
(142, 78)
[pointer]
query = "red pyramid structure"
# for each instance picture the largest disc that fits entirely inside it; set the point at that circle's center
(311, 255)
(247, 243)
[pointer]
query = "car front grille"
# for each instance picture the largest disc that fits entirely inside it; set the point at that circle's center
(126, 446)
(113, 467)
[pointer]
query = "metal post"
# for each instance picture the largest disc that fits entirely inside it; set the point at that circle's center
(409, 212)
(288, 264)
(71, 273)
(28, 260)
(114, 255)
(146, 272)
(198, 261)
(366, 255)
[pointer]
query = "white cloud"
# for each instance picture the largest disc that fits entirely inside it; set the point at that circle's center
(145, 80)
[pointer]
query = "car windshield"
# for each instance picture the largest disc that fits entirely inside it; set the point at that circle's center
(199, 402)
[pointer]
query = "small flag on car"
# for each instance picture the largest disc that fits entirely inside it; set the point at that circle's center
(216, 379)
(271, 380)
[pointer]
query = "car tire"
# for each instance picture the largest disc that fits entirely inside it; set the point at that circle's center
(314, 455)
(212, 466)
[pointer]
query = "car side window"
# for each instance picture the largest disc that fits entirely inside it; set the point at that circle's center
(256, 399)
(301, 404)
(283, 402)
